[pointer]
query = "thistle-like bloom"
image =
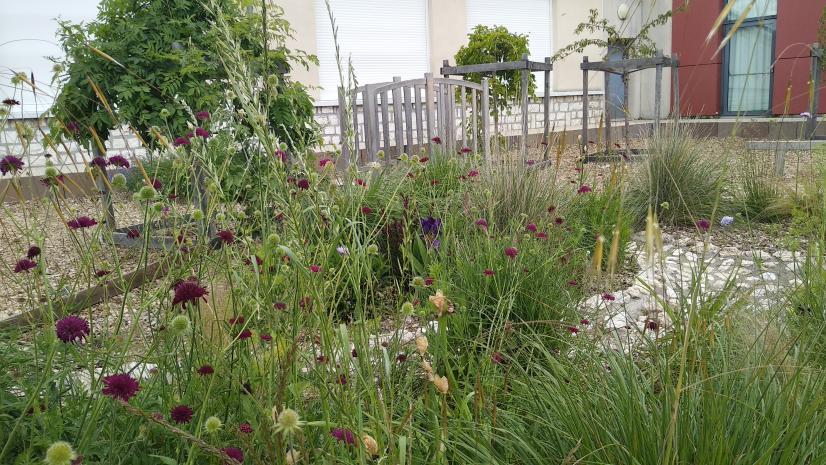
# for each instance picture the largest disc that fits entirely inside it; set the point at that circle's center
(584, 189)
(511, 252)
(202, 116)
(422, 344)
(473, 173)
(81, 222)
(343, 251)
(100, 162)
(324, 162)
(608, 297)
(727, 221)
(531, 227)
(201, 132)
(488, 272)
(303, 184)
(343, 435)
(236, 454)
(441, 384)
(179, 325)
(226, 236)
(245, 334)
(10, 164)
(287, 421)
(206, 370)
(465, 150)
(212, 425)
(72, 329)
(24, 265)
(497, 358)
(482, 223)
(573, 330)
(181, 414)
(119, 160)
(265, 337)
(245, 428)
(439, 300)
(703, 225)
(189, 291)
(60, 453)
(431, 226)
(366, 210)
(541, 235)
(33, 252)
(133, 233)
(437, 140)
(179, 141)
(120, 386)
(361, 182)
(315, 268)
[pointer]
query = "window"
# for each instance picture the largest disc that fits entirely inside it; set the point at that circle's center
(747, 71)
(530, 17)
(383, 38)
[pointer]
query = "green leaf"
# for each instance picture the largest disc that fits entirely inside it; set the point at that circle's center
(165, 460)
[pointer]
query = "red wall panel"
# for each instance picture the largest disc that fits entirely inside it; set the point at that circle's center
(797, 25)
(700, 68)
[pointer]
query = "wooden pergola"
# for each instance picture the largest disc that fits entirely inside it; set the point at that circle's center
(526, 66)
(624, 68)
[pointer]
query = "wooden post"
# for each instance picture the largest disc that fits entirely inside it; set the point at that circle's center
(584, 136)
(658, 88)
(526, 76)
(343, 118)
(625, 111)
(485, 119)
(408, 120)
(546, 102)
(430, 106)
(355, 116)
(607, 112)
(398, 124)
(371, 124)
(105, 193)
(817, 54)
(675, 83)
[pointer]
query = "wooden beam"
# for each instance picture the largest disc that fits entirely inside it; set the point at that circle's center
(92, 296)
(626, 66)
(485, 68)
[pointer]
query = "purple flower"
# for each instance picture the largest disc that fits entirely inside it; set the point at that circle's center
(431, 226)
(482, 223)
(201, 132)
(465, 150)
(245, 428)
(24, 265)
(100, 162)
(226, 236)
(497, 358)
(121, 386)
(265, 337)
(72, 126)
(806, 114)
(179, 141)
(303, 184)
(343, 435)
(531, 227)
(133, 233)
(206, 370)
(245, 334)
(280, 306)
(608, 297)
(234, 453)
(511, 252)
(202, 116)
(10, 164)
(156, 184)
(119, 160)
(33, 252)
(81, 222)
(703, 225)
(72, 329)
(181, 414)
(188, 291)
(584, 189)
(437, 140)
(343, 251)
(281, 155)
(727, 221)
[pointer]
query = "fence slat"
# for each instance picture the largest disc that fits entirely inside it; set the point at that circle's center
(408, 119)
(398, 124)
(485, 119)
(430, 96)
(356, 150)
(419, 116)
(462, 113)
(371, 125)
(385, 121)
(475, 115)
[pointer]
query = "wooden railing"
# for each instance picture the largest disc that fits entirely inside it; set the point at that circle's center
(433, 113)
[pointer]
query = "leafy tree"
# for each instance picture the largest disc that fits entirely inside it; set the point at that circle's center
(155, 63)
(637, 46)
(496, 45)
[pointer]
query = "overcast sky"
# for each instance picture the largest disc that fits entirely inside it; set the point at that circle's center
(27, 37)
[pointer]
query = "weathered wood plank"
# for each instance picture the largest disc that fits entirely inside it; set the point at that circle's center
(474, 113)
(462, 107)
(385, 121)
(485, 119)
(584, 135)
(526, 76)
(546, 103)
(420, 118)
(430, 97)
(495, 67)
(627, 65)
(408, 120)
(398, 123)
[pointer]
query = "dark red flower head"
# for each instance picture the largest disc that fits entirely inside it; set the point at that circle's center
(100, 162)
(488, 272)
(121, 386)
(24, 265)
(201, 132)
(245, 334)
(437, 140)
(280, 306)
(541, 235)
(303, 184)
(237, 320)
(465, 150)
(189, 291)
(497, 358)
(573, 330)
(511, 252)
(179, 141)
(531, 227)
(33, 252)
(206, 370)
(10, 164)
(315, 268)
(472, 173)
(226, 236)
(156, 184)
(236, 454)
(585, 322)
(202, 116)
(133, 233)
(482, 223)
(361, 182)
(343, 435)
(72, 126)
(281, 155)
(324, 162)
(703, 225)
(81, 222)
(366, 210)
(608, 297)
(181, 414)
(424, 159)
(265, 337)
(583, 189)
(72, 329)
(119, 160)
(428, 281)
(245, 428)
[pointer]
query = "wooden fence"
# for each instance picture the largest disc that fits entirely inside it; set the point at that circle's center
(451, 114)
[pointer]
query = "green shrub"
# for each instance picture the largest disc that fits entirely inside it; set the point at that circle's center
(677, 179)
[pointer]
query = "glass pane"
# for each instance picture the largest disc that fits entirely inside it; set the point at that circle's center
(749, 68)
(758, 9)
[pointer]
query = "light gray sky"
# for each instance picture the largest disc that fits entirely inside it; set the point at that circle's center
(27, 37)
